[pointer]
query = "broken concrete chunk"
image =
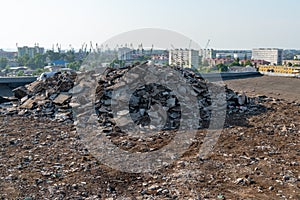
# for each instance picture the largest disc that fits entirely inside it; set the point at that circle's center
(62, 99)
(28, 104)
(20, 92)
(35, 87)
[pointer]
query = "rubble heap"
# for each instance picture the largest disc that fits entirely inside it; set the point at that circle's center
(148, 96)
(51, 98)
(48, 98)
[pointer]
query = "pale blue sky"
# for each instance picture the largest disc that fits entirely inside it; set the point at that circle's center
(229, 24)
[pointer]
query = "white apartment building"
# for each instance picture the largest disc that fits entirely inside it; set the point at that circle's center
(187, 58)
(272, 55)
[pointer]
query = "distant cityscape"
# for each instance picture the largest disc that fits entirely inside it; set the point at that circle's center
(28, 61)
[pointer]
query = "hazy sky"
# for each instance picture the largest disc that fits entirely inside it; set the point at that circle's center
(229, 24)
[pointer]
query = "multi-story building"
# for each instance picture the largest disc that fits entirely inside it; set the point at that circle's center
(187, 58)
(235, 54)
(296, 57)
(207, 54)
(291, 62)
(272, 55)
(30, 51)
(7, 54)
(125, 53)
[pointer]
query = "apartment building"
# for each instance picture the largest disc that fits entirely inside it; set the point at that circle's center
(186, 58)
(272, 55)
(30, 51)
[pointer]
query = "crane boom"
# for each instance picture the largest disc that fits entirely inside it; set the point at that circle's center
(208, 41)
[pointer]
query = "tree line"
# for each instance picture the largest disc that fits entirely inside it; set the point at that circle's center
(73, 60)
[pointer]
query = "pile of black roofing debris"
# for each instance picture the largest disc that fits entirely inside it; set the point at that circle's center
(51, 98)
(153, 103)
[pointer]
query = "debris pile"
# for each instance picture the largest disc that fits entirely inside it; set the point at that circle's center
(50, 97)
(45, 98)
(256, 156)
(153, 103)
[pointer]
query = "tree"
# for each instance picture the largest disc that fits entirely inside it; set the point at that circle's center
(38, 61)
(70, 56)
(20, 73)
(74, 65)
(3, 62)
(51, 55)
(236, 62)
(248, 63)
(38, 72)
(222, 68)
(23, 60)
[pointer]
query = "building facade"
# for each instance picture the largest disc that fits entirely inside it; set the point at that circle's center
(187, 58)
(235, 54)
(30, 51)
(207, 54)
(291, 62)
(296, 57)
(272, 55)
(125, 53)
(7, 54)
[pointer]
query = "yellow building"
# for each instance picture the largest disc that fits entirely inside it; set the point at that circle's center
(279, 69)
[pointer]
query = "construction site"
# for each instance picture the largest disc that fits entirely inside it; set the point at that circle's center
(257, 155)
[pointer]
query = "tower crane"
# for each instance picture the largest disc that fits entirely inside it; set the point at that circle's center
(208, 41)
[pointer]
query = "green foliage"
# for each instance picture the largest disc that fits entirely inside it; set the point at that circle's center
(20, 73)
(37, 61)
(23, 60)
(117, 62)
(236, 62)
(51, 55)
(248, 63)
(222, 67)
(74, 65)
(38, 71)
(40, 60)
(3, 62)
(69, 56)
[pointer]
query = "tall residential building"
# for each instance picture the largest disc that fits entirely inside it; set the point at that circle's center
(272, 55)
(207, 54)
(125, 53)
(30, 51)
(187, 58)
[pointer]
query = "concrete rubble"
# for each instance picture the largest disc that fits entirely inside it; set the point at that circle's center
(151, 95)
(45, 98)
(51, 98)
(256, 157)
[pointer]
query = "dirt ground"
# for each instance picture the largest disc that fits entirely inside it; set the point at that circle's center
(256, 157)
(271, 86)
